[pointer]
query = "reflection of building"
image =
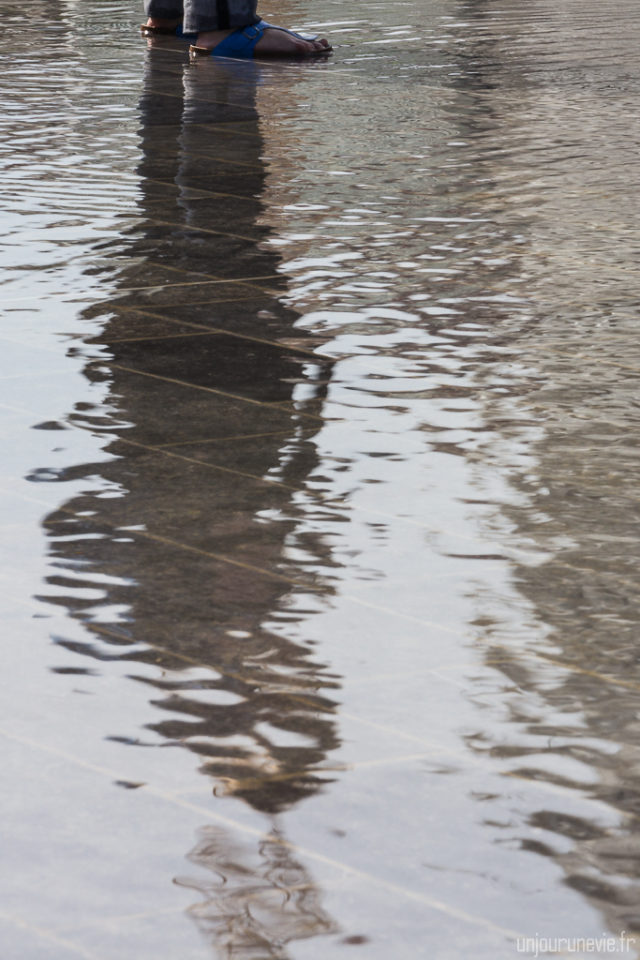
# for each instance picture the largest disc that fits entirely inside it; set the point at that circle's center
(190, 535)
(561, 398)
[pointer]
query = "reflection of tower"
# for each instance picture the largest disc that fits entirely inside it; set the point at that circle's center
(191, 532)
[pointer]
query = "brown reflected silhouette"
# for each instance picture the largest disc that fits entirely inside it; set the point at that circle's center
(191, 527)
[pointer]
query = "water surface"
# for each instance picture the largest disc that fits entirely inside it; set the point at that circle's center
(320, 425)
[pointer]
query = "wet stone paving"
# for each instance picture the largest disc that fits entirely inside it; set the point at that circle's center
(320, 431)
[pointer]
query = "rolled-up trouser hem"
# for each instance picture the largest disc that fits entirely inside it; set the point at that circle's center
(160, 8)
(201, 15)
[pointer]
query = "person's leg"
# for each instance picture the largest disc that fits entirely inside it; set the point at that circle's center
(163, 14)
(203, 16)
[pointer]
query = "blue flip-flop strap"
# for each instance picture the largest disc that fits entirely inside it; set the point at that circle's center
(292, 33)
(240, 43)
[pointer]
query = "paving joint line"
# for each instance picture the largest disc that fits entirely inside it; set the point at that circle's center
(222, 558)
(50, 936)
(261, 835)
(263, 683)
(279, 405)
(204, 328)
(233, 439)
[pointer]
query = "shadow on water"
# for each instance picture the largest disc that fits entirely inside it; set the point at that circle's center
(193, 541)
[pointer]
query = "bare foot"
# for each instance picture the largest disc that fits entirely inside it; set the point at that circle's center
(273, 43)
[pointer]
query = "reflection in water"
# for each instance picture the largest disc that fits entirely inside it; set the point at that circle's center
(257, 901)
(194, 557)
(573, 717)
(455, 213)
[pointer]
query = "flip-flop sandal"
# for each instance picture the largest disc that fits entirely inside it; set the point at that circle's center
(178, 32)
(241, 43)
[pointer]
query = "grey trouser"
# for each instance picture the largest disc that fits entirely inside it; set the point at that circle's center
(205, 14)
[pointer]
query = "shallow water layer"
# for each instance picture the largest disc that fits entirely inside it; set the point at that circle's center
(320, 426)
